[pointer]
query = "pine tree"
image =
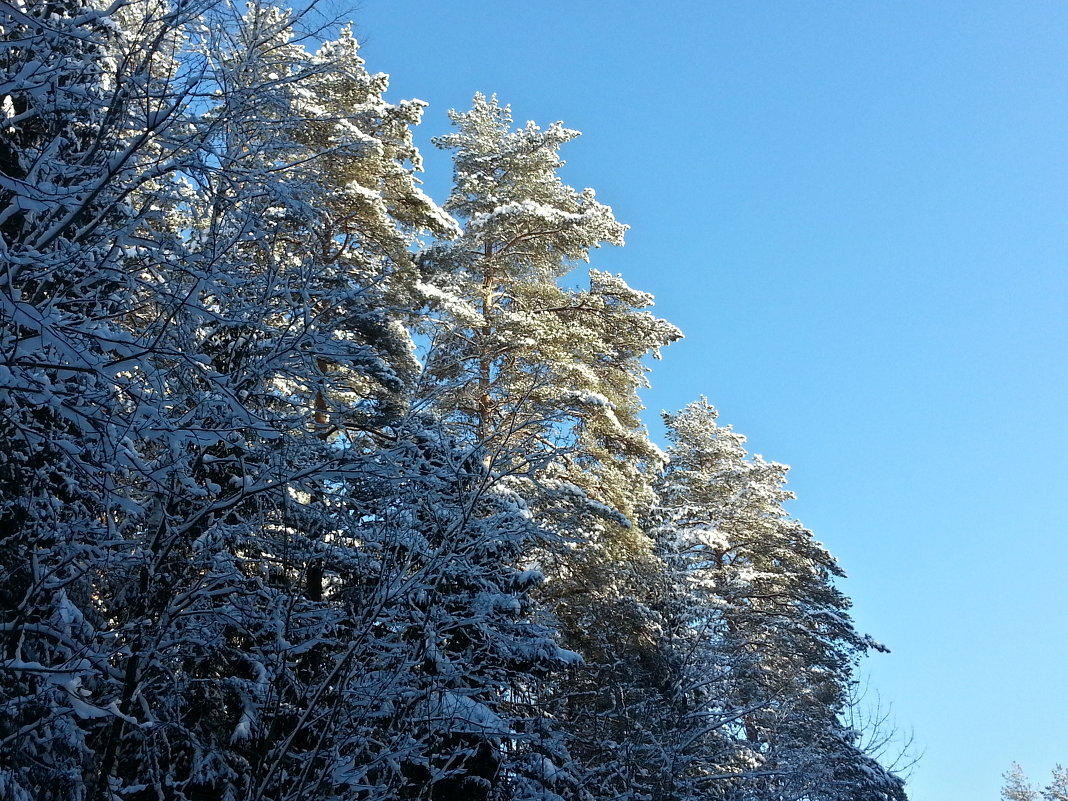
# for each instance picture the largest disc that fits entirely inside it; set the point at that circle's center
(544, 380)
(519, 356)
(1057, 789)
(1017, 787)
(767, 604)
(521, 364)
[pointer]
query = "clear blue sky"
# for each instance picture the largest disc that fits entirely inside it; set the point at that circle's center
(858, 214)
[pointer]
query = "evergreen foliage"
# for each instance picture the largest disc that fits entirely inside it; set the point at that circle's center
(253, 548)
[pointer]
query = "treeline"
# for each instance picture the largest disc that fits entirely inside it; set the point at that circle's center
(256, 545)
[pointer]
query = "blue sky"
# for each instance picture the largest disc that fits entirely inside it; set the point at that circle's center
(856, 211)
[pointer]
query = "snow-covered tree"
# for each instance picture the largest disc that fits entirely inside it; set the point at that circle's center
(516, 356)
(781, 645)
(521, 364)
(89, 108)
(1057, 789)
(459, 650)
(251, 548)
(543, 378)
(1017, 786)
(192, 324)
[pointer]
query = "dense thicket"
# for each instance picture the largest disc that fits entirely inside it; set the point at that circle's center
(255, 545)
